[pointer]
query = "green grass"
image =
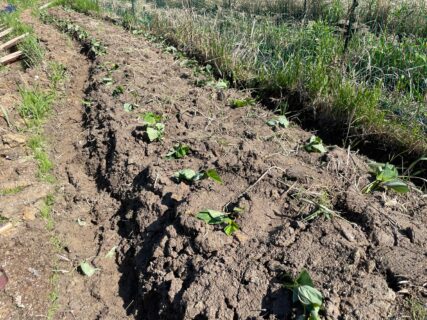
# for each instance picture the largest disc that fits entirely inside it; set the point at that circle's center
(45, 165)
(84, 6)
(30, 46)
(46, 212)
(417, 310)
(35, 105)
(11, 191)
(376, 90)
(56, 74)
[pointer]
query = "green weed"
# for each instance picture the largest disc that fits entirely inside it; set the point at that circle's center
(240, 103)
(56, 74)
(35, 105)
(46, 212)
(45, 166)
(11, 191)
(280, 121)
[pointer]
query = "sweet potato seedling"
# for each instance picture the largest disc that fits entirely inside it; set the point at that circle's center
(386, 177)
(190, 176)
(216, 217)
(280, 121)
(315, 144)
(153, 127)
(178, 151)
(303, 291)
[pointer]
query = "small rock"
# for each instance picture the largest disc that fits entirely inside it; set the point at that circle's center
(29, 214)
(241, 237)
(5, 228)
(13, 139)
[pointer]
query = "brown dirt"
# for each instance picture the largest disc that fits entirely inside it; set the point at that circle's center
(169, 265)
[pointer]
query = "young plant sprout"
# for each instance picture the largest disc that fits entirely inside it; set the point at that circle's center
(386, 177)
(217, 217)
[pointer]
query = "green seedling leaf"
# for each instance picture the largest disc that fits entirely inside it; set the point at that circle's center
(155, 133)
(386, 177)
(129, 107)
(118, 91)
(213, 174)
(280, 121)
(309, 296)
(231, 228)
(211, 216)
(151, 118)
(240, 103)
(178, 151)
(188, 175)
(304, 279)
(315, 144)
(87, 269)
(110, 254)
(219, 85)
(396, 185)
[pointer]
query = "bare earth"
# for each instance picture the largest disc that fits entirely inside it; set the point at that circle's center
(167, 264)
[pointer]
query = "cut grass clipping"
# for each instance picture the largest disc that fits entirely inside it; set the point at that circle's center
(386, 177)
(304, 292)
(190, 176)
(216, 217)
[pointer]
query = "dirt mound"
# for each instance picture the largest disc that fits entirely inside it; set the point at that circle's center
(173, 265)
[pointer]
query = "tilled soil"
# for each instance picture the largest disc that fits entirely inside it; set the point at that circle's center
(169, 265)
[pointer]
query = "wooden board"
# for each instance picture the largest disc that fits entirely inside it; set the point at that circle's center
(5, 32)
(10, 58)
(13, 42)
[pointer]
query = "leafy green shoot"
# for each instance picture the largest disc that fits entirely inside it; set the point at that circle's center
(178, 151)
(118, 91)
(108, 81)
(190, 176)
(386, 177)
(315, 144)
(320, 210)
(216, 217)
(280, 121)
(303, 291)
(87, 269)
(129, 107)
(240, 103)
(151, 118)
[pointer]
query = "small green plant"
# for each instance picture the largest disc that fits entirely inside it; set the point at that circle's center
(35, 105)
(46, 211)
(386, 177)
(129, 107)
(108, 81)
(240, 103)
(153, 127)
(32, 51)
(45, 166)
(320, 210)
(56, 74)
(190, 176)
(11, 191)
(217, 217)
(303, 291)
(280, 121)
(87, 269)
(178, 151)
(315, 144)
(118, 91)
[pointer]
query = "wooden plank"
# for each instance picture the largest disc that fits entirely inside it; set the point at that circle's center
(5, 32)
(10, 58)
(13, 42)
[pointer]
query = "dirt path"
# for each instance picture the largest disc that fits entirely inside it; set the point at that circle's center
(168, 264)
